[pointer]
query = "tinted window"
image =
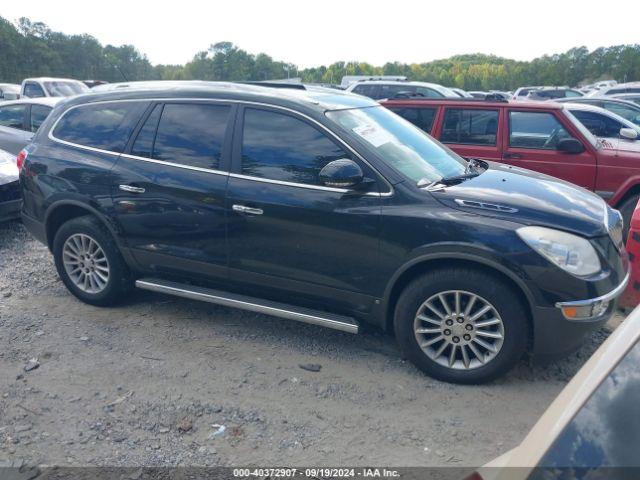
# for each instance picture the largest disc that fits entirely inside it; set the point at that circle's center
(537, 130)
(598, 124)
(280, 147)
(625, 111)
(191, 134)
(604, 433)
(471, 127)
(102, 125)
(428, 92)
(143, 146)
(420, 117)
(33, 90)
(12, 116)
(366, 90)
(38, 115)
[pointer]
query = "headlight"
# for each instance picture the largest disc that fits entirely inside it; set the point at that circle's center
(569, 252)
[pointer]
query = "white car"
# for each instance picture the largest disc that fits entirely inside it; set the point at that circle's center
(617, 131)
(51, 87)
(378, 90)
(630, 87)
(9, 91)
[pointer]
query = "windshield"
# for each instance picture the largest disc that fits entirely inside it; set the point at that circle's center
(403, 146)
(65, 89)
(593, 140)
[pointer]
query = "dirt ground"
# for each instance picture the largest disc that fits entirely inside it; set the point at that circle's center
(156, 381)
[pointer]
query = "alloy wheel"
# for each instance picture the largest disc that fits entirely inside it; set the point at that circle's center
(85, 263)
(459, 330)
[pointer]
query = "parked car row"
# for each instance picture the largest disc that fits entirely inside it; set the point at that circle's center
(325, 207)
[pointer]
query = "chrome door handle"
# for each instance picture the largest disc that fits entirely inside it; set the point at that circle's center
(249, 210)
(131, 189)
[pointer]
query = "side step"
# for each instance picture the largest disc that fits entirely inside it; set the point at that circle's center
(316, 317)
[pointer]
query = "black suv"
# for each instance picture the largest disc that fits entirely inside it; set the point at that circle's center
(323, 207)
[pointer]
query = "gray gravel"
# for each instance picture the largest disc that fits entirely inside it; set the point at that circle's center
(151, 383)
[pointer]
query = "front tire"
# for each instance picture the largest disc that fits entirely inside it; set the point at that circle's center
(89, 262)
(461, 325)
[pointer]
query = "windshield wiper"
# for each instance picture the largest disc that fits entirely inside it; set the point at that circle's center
(472, 170)
(458, 178)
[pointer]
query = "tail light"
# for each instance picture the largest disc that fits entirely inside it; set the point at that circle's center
(22, 156)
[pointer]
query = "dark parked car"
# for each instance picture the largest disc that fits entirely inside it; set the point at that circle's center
(9, 188)
(323, 207)
(20, 119)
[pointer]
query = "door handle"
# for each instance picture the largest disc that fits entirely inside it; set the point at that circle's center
(245, 209)
(131, 189)
(512, 155)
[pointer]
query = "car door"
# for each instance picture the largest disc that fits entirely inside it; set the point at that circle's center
(472, 132)
(13, 133)
(289, 234)
(169, 189)
(530, 141)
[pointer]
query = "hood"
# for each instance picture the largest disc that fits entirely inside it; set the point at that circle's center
(530, 198)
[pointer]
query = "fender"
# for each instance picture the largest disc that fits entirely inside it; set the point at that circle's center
(457, 251)
(620, 193)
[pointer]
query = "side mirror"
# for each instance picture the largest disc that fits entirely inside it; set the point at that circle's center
(570, 145)
(628, 133)
(343, 173)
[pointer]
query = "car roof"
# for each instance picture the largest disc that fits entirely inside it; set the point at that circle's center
(461, 102)
(50, 79)
(47, 101)
(307, 97)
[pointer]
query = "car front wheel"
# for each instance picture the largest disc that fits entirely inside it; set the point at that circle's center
(461, 326)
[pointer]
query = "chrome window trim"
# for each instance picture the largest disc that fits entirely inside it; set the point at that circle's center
(220, 172)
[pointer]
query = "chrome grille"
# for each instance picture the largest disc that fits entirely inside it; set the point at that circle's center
(615, 228)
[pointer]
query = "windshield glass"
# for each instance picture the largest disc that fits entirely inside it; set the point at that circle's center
(592, 139)
(65, 89)
(403, 146)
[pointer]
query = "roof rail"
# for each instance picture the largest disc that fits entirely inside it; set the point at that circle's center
(413, 96)
(292, 86)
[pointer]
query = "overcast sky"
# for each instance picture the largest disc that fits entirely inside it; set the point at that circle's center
(319, 32)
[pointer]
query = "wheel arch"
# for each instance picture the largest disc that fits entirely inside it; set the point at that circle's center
(429, 262)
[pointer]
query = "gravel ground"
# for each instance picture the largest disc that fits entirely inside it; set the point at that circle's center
(156, 381)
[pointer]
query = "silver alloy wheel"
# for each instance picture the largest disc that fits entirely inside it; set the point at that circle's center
(86, 263)
(459, 330)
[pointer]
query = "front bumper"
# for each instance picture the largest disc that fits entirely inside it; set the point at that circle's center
(10, 210)
(591, 309)
(556, 336)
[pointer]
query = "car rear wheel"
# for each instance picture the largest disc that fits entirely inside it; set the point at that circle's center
(461, 326)
(89, 262)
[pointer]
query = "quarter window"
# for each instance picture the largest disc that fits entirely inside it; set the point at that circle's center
(280, 147)
(470, 127)
(536, 130)
(106, 126)
(12, 116)
(420, 117)
(39, 114)
(191, 134)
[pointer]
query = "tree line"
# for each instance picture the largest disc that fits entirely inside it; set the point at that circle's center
(29, 49)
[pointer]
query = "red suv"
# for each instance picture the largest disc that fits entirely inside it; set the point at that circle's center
(540, 136)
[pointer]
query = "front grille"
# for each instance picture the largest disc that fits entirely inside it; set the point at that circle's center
(615, 228)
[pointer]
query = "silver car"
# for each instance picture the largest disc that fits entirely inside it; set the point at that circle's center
(20, 119)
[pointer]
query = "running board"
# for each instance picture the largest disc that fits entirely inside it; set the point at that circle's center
(315, 317)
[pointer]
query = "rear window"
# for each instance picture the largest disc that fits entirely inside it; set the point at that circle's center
(106, 126)
(470, 127)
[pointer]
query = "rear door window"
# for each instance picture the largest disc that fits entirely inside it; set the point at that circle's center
(535, 130)
(280, 147)
(106, 126)
(33, 90)
(421, 117)
(13, 116)
(190, 134)
(470, 127)
(39, 114)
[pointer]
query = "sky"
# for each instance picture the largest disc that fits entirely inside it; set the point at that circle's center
(313, 33)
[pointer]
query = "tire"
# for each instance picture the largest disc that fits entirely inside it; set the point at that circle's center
(109, 279)
(465, 334)
(626, 209)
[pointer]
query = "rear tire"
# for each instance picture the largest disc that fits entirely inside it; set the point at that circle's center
(89, 262)
(626, 210)
(485, 345)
